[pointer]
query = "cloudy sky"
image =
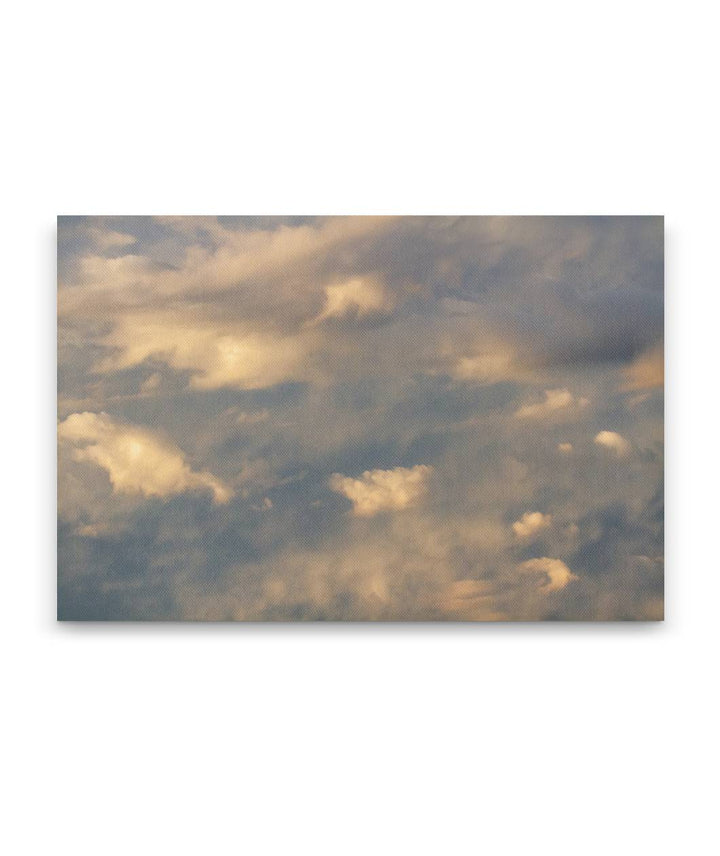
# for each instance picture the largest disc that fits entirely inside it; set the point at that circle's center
(360, 418)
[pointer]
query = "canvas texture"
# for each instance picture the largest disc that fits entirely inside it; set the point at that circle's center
(360, 418)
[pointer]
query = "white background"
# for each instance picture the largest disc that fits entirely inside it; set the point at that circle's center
(171, 739)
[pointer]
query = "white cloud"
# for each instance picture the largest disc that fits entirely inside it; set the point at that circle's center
(557, 572)
(557, 402)
(137, 460)
(531, 523)
(218, 355)
(383, 490)
(614, 442)
(359, 296)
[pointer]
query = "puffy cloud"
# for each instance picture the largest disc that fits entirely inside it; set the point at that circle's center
(647, 371)
(230, 307)
(613, 441)
(531, 523)
(557, 402)
(358, 297)
(136, 460)
(557, 572)
(383, 490)
(218, 355)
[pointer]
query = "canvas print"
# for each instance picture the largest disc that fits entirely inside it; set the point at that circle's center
(360, 418)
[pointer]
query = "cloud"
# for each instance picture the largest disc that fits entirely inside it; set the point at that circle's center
(107, 239)
(613, 441)
(136, 460)
(488, 366)
(218, 355)
(244, 418)
(531, 523)
(383, 490)
(151, 383)
(358, 297)
(225, 258)
(93, 530)
(557, 402)
(647, 371)
(276, 351)
(471, 600)
(557, 572)
(471, 348)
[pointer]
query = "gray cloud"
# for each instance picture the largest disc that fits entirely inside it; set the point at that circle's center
(277, 375)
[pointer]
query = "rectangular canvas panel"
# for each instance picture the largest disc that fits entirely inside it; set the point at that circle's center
(360, 418)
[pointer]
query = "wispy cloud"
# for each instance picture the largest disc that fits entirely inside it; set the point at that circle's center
(136, 460)
(381, 418)
(557, 403)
